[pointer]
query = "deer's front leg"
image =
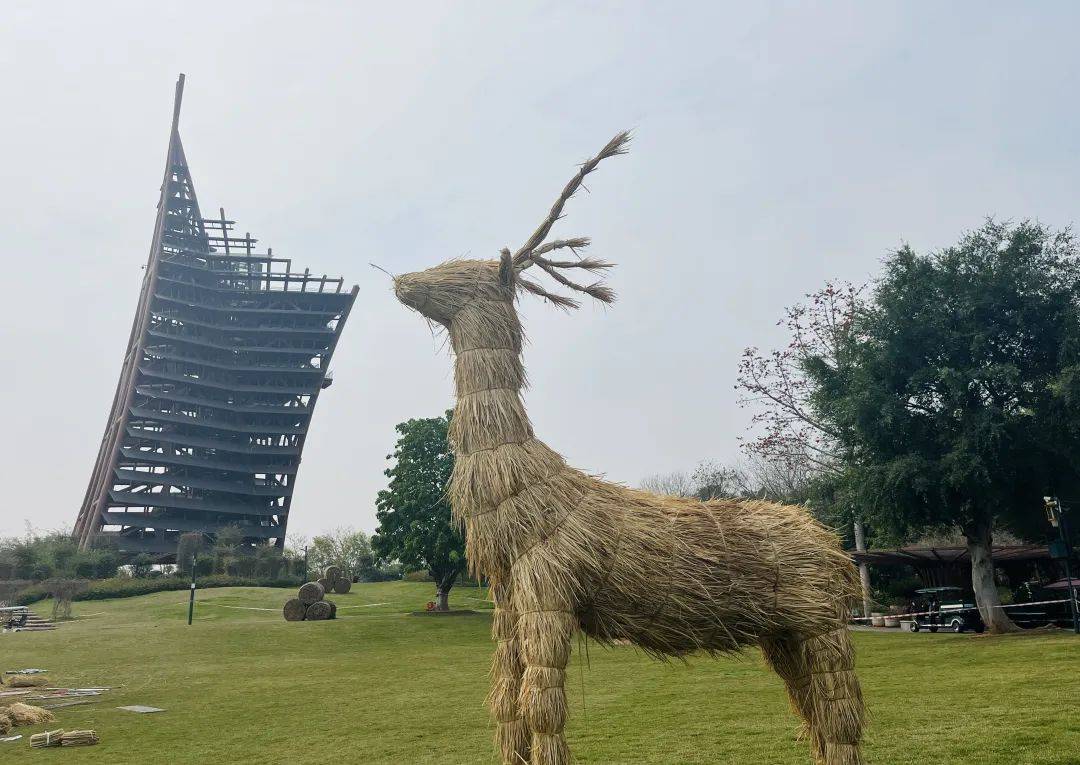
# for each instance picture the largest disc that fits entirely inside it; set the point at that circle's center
(511, 736)
(546, 624)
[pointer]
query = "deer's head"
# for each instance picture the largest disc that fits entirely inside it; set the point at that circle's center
(439, 293)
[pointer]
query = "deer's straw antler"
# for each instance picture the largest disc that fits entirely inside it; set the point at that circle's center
(533, 251)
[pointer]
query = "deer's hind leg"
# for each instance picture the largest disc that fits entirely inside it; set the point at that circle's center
(512, 734)
(820, 676)
(785, 659)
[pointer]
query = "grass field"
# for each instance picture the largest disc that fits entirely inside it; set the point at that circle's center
(379, 686)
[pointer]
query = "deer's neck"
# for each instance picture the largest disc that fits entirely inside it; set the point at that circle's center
(498, 460)
(488, 378)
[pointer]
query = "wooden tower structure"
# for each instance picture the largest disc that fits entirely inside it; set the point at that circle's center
(227, 355)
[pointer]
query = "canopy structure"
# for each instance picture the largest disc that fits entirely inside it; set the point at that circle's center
(1065, 584)
(227, 355)
(943, 566)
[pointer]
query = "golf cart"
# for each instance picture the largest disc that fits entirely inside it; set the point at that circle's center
(946, 609)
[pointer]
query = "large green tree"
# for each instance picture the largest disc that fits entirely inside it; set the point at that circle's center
(415, 526)
(959, 398)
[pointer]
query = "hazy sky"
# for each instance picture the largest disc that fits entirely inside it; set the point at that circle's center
(777, 146)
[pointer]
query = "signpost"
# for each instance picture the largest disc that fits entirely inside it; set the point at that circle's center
(1062, 550)
(191, 600)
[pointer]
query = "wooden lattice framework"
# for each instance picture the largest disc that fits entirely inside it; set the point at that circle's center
(227, 355)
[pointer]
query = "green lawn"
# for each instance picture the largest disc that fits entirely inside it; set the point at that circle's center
(379, 686)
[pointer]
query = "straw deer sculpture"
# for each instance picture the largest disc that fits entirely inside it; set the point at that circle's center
(565, 550)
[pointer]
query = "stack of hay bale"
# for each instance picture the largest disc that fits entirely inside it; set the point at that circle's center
(310, 603)
(333, 580)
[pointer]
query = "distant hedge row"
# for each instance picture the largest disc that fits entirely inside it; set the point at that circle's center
(104, 589)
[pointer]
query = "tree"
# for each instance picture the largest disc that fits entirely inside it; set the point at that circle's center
(348, 549)
(226, 549)
(778, 386)
(802, 453)
(674, 484)
(268, 561)
(711, 480)
(415, 525)
(55, 555)
(190, 544)
(778, 480)
(958, 401)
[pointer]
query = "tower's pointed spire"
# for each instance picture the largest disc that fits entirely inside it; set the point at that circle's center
(176, 103)
(227, 354)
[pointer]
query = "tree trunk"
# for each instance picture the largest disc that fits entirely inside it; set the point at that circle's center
(864, 570)
(442, 600)
(979, 544)
(443, 584)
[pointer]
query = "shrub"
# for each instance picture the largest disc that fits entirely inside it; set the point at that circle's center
(63, 591)
(141, 566)
(106, 589)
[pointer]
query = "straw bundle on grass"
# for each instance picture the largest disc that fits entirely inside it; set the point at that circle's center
(79, 738)
(342, 585)
(27, 681)
(312, 592)
(48, 738)
(25, 714)
(294, 610)
(565, 550)
(319, 611)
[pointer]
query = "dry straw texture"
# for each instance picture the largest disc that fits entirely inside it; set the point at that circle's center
(45, 739)
(27, 681)
(312, 592)
(342, 586)
(565, 550)
(79, 738)
(26, 714)
(294, 610)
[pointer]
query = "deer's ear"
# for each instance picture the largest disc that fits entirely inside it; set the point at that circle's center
(506, 269)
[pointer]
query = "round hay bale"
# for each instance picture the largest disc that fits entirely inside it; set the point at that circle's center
(332, 574)
(294, 610)
(342, 586)
(327, 585)
(319, 611)
(312, 592)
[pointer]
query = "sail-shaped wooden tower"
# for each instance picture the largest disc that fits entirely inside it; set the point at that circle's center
(227, 355)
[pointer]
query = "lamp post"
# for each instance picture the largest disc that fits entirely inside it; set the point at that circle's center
(1062, 550)
(191, 599)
